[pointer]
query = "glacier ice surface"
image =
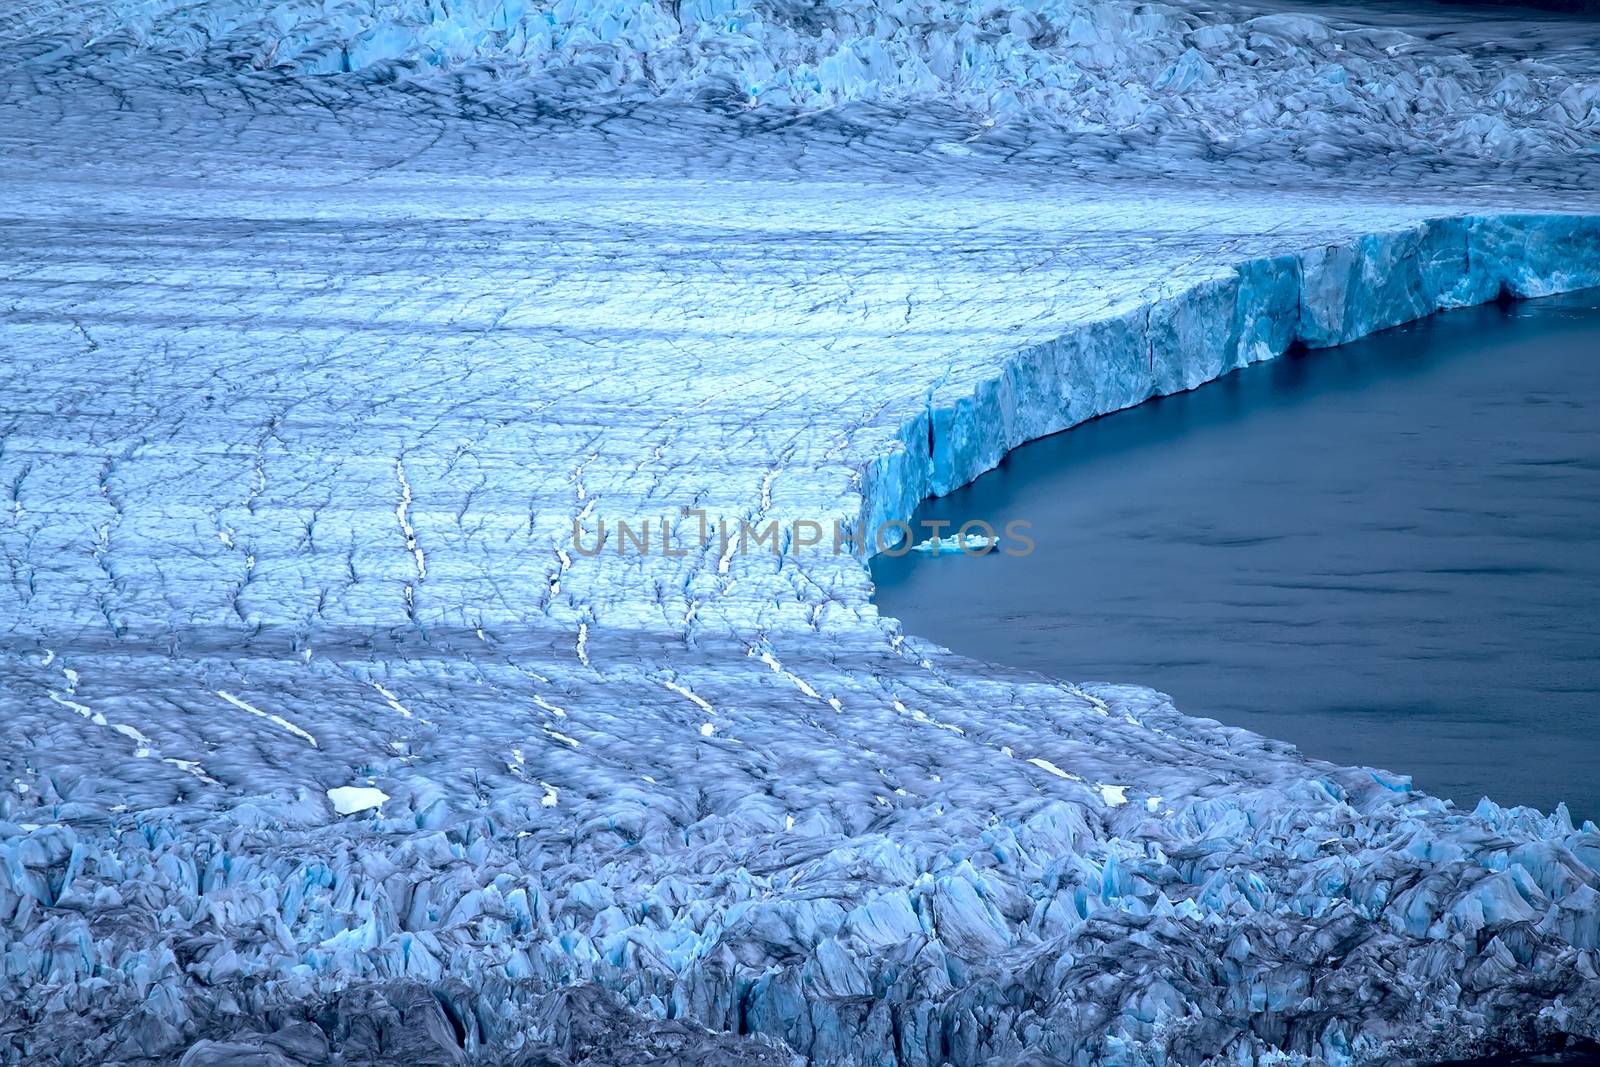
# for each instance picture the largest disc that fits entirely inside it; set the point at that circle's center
(324, 322)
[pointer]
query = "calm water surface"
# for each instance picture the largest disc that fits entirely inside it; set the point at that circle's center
(1387, 553)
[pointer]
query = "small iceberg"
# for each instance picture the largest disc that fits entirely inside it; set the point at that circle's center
(972, 544)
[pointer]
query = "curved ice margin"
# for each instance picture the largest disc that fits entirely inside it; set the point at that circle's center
(1248, 313)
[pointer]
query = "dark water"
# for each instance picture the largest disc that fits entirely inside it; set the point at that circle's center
(1575, 1052)
(1387, 553)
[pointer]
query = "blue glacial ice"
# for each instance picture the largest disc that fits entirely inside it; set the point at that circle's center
(326, 741)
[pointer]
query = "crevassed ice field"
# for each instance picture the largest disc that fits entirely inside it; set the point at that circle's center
(322, 739)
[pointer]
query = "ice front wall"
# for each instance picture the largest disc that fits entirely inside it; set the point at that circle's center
(1248, 312)
(322, 744)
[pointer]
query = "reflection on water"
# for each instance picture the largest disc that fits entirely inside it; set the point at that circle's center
(1385, 553)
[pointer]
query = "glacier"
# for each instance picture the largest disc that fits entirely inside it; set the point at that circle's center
(326, 325)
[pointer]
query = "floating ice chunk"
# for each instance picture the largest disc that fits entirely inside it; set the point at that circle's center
(349, 799)
(972, 543)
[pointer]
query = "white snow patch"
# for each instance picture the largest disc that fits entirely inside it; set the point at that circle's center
(1046, 765)
(394, 701)
(191, 767)
(1100, 705)
(560, 713)
(923, 717)
(683, 691)
(772, 661)
(143, 746)
(278, 720)
(349, 799)
(82, 709)
(402, 512)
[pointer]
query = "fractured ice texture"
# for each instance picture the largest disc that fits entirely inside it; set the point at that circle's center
(319, 740)
(1229, 81)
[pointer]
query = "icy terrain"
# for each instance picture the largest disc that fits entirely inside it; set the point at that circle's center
(325, 742)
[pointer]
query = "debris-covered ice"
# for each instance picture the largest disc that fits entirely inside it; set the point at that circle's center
(332, 332)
